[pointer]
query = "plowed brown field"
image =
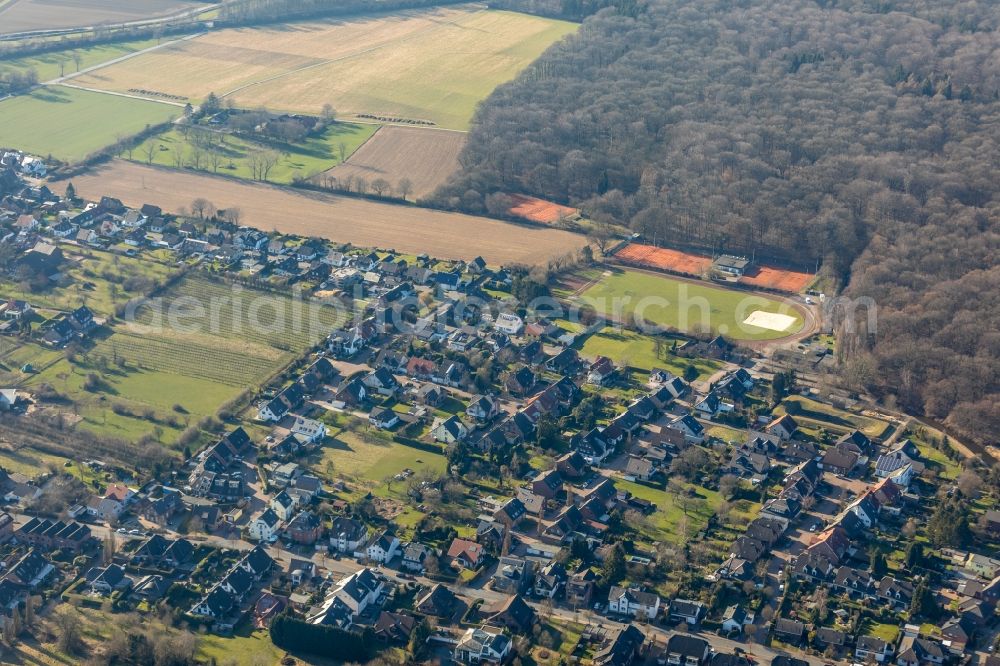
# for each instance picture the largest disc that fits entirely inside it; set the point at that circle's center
(343, 219)
(425, 156)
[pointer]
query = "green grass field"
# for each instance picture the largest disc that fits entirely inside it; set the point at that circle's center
(69, 124)
(372, 461)
(199, 306)
(685, 306)
(163, 375)
(818, 414)
(302, 160)
(52, 65)
(639, 351)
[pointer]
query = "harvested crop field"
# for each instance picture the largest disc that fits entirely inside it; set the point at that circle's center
(424, 156)
(25, 15)
(539, 210)
(663, 258)
(430, 65)
(343, 219)
(776, 278)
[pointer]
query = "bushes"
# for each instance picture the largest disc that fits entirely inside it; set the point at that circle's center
(295, 635)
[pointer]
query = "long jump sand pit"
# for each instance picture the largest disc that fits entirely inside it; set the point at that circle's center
(424, 156)
(772, 321)
(343, 219)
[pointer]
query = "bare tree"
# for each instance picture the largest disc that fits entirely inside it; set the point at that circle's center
(380, 185)
(233, 215)
(202, 208)
(197, 154)
(268, 160)
(342, 150)
(179, 156)
(77, 60)
(405, 186)
(215, 160)
(149, 150)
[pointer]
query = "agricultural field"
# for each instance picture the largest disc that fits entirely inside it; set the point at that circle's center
(69, 124)
(345, 219)
(300, 160)
(638, 351)
(423, 156)
(248, 321)
(26, 15)
(56, 64)
(430, 66)
(153, 375)
(691, 307)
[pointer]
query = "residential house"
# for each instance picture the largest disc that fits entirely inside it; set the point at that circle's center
(513, 575)
(686, 650)
(870, 647)
(513, 614)
(465, 553)
(347, 535)
(789, 631)
(735, 619)
(686, 610)
(633, 602)
(482, 646)
(415, 555)
(383, 547)
(449, 430)
(304, 528)
(438, 601)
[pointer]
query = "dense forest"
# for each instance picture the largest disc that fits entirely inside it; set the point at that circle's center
(860, 135)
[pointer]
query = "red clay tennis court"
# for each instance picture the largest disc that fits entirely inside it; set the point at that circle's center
(539, 210)
(776, 278)
(663, 259)
(675, 261)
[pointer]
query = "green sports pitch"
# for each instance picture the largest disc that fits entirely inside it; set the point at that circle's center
(691, 307)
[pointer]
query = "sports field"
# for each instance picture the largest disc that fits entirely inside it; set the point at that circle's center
(539, 210)
(688, 306)
(297, 160)
(424, 156)
(69, 124)
(430, 65)
(345, 219)
(697, 265)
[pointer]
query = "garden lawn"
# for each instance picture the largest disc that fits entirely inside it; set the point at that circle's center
(301, 160)
(665, 524)
(69, 124)
(684, 305)
(374, 459)
(627, 347)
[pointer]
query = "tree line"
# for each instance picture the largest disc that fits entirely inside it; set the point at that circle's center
(835, 134)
